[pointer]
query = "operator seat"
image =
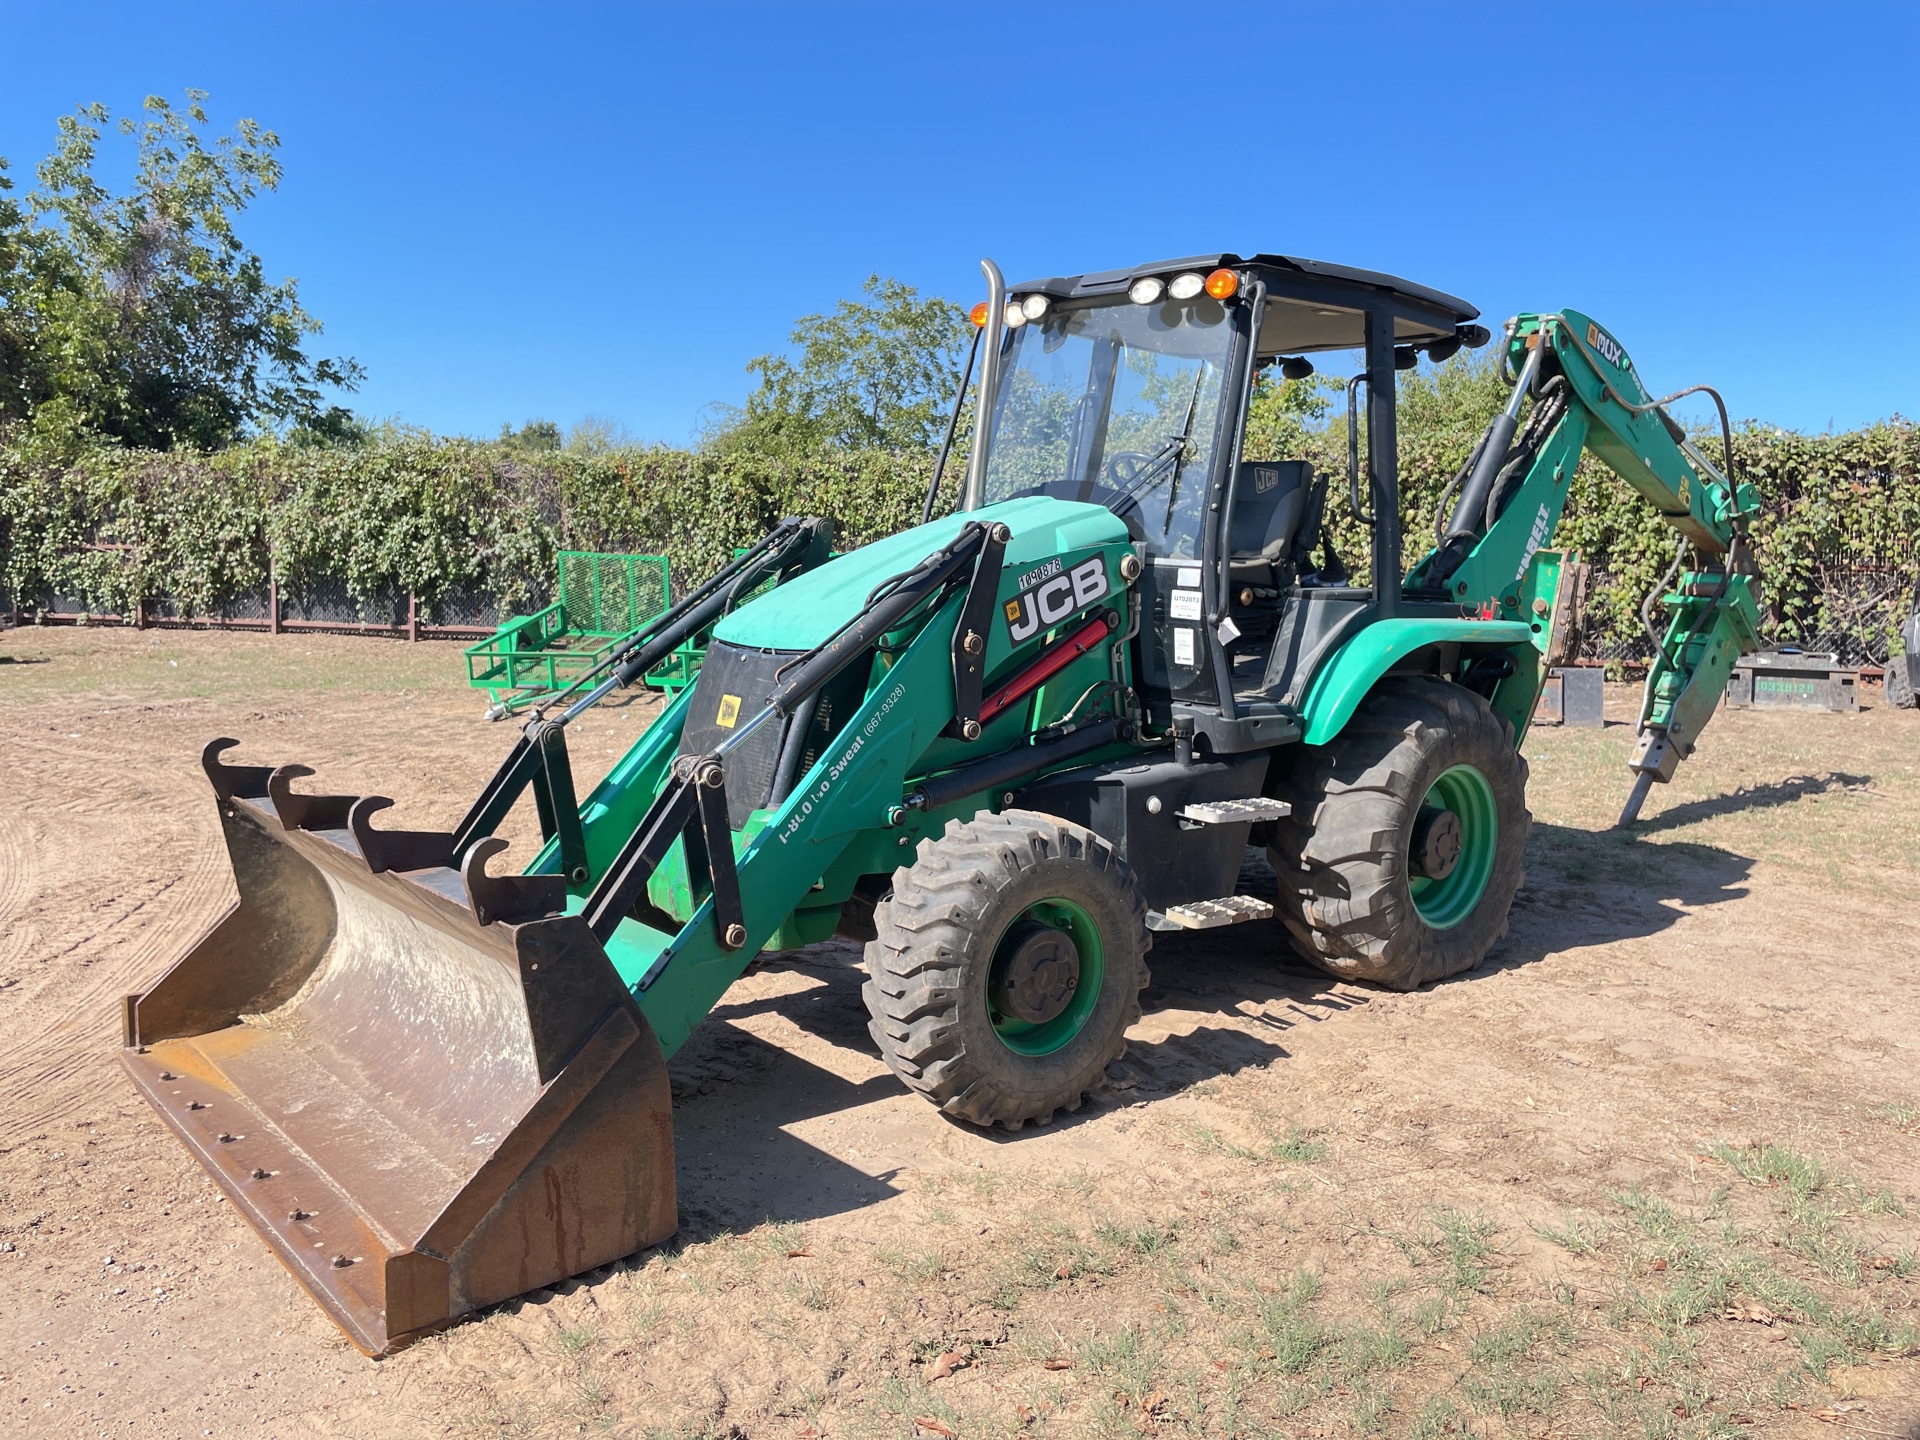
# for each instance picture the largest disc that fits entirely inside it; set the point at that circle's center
(1269, 502)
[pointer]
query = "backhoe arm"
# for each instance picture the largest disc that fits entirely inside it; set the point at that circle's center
(1511, 494)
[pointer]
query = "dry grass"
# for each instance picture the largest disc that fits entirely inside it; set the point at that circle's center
(1645, 1314)
(1653, 1172)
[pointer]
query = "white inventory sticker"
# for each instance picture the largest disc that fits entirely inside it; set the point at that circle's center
(1185, 605)
(1183, 646)
(1190, 577)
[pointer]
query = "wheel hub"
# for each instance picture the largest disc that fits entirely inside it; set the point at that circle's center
(1437, 841)
(1039, 974)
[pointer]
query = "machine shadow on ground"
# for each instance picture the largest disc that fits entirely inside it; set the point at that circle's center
(1589, 888)
(1757, 797)
(1219, 1002)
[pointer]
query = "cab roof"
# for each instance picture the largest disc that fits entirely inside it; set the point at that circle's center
(1106, 282)
(1423, 313)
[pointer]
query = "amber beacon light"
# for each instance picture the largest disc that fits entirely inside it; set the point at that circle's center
(1223, 284)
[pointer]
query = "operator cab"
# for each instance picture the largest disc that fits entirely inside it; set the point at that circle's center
(1152, 391)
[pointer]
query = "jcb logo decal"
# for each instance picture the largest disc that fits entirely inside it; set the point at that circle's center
(1611, 348)
(729, 714)
(1031, 611)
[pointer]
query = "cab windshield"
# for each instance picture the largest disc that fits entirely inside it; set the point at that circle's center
(1117, 404)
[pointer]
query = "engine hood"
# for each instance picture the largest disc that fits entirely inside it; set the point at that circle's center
(809, 609)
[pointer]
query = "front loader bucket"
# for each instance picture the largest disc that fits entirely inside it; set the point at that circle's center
(424, 1087)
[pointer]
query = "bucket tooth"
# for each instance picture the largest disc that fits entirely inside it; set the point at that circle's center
(305, 812)
(420, 1115)
(507, 897)
(230, 781)
(385, 850)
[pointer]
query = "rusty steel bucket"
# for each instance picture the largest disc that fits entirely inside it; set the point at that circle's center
(425, 1088)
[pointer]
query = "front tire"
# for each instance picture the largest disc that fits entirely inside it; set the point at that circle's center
(1409, 840)
(1899, 682)
(1006, 967)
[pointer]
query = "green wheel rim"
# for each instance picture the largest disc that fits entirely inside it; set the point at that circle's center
(1444, 903)
(1021, 1036)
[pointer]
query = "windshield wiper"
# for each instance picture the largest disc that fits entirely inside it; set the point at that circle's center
(1174, 450)
(1186, 431)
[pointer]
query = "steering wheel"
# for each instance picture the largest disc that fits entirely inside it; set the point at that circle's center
(1124, 467)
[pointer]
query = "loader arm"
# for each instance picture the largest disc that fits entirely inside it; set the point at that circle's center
(1491, 559)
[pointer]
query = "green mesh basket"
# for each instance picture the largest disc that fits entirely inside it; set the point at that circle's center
(602, 600)
(611, 594)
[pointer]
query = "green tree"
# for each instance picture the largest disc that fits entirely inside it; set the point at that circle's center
(873, 373)
(532, 440)
(142, 318)
(1281, 414)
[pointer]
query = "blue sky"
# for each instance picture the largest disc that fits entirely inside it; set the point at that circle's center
(573, 210)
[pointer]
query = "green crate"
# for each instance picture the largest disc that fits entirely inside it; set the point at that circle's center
(611, 595)
(604, 599)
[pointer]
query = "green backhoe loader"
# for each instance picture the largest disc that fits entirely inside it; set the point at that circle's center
(1004, 748)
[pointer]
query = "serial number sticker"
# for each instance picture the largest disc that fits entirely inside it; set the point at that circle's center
(1185, 605)
(1046, 570)
(1183, 646)
(729, 714)
(1190, 577)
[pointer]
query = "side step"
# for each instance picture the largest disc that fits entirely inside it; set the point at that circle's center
(1210, 914)
(1235, 812)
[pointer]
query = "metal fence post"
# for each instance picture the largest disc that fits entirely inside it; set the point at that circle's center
(413, 618)
(273, 595)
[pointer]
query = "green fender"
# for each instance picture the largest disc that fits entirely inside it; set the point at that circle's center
(1343, 682)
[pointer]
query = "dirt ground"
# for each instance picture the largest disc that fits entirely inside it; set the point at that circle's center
(1653, 1170)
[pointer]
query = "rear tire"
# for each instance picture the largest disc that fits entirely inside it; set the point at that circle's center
(1006, 967)
(1900, 678)
(1367, 805)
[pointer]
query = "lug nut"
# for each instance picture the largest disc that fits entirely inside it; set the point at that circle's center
(736, 936)
(970, 729)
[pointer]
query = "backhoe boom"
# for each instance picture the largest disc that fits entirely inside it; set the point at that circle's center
(1586, 395)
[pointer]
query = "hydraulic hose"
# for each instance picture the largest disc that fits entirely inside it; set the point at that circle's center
(1471, 511)
(1468, 515)
(1674, 429)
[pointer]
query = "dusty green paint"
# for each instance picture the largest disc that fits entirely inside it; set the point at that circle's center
(811, 607)
(1343, 682)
